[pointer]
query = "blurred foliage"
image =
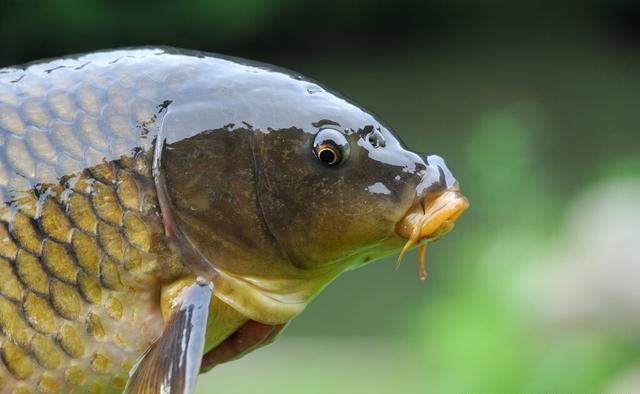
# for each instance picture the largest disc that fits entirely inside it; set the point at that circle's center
(266, 27)
(530, 104)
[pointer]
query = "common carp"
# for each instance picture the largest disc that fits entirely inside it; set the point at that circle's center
(164, 211)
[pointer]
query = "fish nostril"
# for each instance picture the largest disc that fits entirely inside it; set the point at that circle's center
(440, 177)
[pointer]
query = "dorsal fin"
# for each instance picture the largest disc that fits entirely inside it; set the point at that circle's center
(172, 363)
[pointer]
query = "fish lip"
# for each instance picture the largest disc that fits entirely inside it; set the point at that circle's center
(432, 216)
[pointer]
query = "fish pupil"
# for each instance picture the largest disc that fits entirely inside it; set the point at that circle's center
(331, 147)
(327, 156)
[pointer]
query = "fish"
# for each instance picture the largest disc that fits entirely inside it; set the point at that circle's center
(165, 211)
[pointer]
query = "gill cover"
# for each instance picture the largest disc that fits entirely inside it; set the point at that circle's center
(205, 176)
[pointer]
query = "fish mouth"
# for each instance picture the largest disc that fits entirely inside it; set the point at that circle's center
(428, 220)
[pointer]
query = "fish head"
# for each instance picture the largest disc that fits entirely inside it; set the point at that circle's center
(281, 184)
(345, 190)
(339, 188)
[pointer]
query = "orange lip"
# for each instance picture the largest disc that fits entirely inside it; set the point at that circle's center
(430, 220)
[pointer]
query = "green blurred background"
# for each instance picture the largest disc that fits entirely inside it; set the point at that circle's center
(536, 109)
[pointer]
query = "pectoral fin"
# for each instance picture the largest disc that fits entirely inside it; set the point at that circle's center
(172, 364)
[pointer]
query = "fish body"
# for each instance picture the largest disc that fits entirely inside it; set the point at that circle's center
(144, 187)
(81, 236)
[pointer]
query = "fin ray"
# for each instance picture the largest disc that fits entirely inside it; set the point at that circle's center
(172, 363)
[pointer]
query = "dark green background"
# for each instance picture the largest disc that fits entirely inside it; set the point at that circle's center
(535, 108)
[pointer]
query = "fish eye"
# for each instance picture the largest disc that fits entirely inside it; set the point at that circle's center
(331, 147)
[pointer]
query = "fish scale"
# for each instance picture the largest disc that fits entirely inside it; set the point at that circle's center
(79, 227)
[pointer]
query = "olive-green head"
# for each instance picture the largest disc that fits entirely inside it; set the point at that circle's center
(280, 185)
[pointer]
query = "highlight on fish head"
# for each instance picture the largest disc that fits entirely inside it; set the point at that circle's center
(281, 184)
